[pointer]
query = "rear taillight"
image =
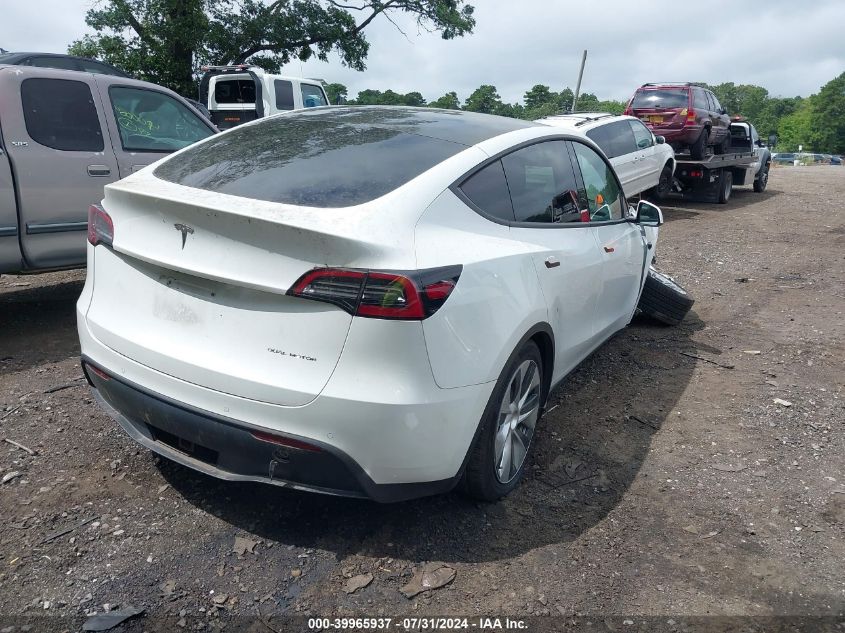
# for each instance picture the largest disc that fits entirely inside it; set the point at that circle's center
(380, 294)
(690, 114)
(100, 226)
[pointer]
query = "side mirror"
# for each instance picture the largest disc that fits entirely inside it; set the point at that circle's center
(660, 140)
(723, 111)
(649, 214)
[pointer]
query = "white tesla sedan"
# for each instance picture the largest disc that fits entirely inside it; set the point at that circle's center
(371, 302)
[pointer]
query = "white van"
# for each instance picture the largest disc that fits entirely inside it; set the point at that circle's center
(237, 94)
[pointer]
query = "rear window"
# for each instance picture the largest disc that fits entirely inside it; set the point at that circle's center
(234, 91)
(666, 98)
(316, 158)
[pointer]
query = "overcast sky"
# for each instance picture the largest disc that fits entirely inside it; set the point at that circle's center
(791, 47)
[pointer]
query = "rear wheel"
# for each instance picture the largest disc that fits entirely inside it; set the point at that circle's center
(497, 459)
(698, 148)
(664, 184)
(724, 146)
(726, 186)
(762, 180)
(663, 299)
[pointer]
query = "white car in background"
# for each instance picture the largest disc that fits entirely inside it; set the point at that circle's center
(366, 301)
(644, 162)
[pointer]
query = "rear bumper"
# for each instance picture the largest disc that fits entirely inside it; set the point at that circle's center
(229, 449)
(385, 429)
(683, 136)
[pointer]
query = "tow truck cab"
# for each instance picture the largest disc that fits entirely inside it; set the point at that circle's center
(242, 93)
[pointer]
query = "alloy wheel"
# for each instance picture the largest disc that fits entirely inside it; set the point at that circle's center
(518, 414)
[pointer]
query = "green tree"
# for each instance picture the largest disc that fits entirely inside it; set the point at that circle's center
(166, 40)
(484, 99)
(538, 96)
(513, 110)
(796, 129)
(828, 117)
(564, 99)
(449, 101)
(336, 93)
(414, 99)
(610, 106)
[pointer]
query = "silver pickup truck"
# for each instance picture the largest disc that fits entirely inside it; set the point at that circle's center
(64, 135)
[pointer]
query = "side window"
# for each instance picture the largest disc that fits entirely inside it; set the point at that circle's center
(699, 99)
(488, 190)
(61, 114)
(600, 137)
(601, 194)
(153, 121)
(621, 138)
(642, 135)
(312, 96)
(717, 107)
(542, 183)
(284, 94)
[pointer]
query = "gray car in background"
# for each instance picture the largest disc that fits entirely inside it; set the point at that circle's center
(64, 135)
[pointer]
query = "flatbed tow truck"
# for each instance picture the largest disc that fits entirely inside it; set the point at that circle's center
(712, 178)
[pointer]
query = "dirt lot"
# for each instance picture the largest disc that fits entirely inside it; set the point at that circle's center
(666, 479)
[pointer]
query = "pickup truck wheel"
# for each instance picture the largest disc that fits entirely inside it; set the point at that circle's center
(664, 184)
(664, 300)
(762, 180)
(726, 186)
(497, 458)
(697, 149)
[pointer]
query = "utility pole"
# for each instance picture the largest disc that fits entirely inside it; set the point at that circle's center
(578, 85)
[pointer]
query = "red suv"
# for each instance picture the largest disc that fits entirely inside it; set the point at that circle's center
(687, 116)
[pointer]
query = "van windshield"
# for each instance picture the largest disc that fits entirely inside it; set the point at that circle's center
(664, 98)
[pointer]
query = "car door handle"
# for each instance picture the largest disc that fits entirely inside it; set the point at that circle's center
(98, 170)
(551, 262)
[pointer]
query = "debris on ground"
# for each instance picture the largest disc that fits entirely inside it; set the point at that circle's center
(430, 576)
(357, 582)
(243, 545)
(20, 446)
(106, 621)
(782, 402)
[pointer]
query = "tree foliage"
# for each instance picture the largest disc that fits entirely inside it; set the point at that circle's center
(337, 93)
(828, 117)
(164, 41)
(449, 101)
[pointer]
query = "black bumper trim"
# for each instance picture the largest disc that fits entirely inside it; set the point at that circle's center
(226, 448)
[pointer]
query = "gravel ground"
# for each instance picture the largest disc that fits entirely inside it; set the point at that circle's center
(697, 470)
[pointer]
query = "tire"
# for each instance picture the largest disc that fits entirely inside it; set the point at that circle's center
(521, 380)
(724, 146)
(664, 300)
(664, 184)
(697, 149)
(762, 180)
(726, 183)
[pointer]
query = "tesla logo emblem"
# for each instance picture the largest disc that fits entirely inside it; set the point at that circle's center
(184, 229)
